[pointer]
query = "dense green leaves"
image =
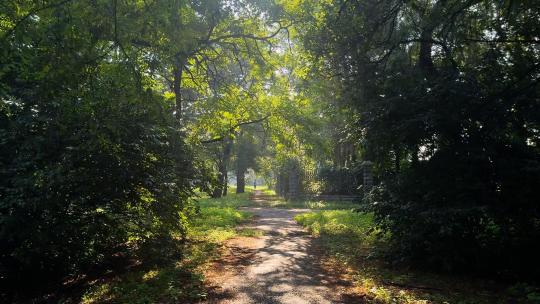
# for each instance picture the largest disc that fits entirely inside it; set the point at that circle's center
(92, 161)
(447, 99)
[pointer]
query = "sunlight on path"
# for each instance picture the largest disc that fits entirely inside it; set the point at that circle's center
(280, 267)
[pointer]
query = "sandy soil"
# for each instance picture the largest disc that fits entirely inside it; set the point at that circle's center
(283, 266)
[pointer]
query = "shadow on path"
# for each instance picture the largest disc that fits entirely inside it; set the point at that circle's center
(280, 267)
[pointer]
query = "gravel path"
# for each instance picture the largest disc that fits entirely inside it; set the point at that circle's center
(280, 267)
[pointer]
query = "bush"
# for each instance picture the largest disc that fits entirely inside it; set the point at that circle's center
(77, 189)
(476, 216)
(339, 180)
(91, 162)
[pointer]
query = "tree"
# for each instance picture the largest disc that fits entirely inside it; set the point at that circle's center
(447, 99)
(247, 150)
(93, 163)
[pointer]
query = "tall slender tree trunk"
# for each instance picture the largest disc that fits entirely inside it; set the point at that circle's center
(240, 166)
(221, 188)
(179, 61)
(425, 60)
(225, 183)
(397, 159)
(240, 179)
(177, 87)
(218, 191)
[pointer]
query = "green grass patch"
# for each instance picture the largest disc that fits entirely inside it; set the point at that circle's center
(345, 234)
(250, 232)
(232, 200)
(263, 188)
(217, 224)
(312, 204)
(159, 285)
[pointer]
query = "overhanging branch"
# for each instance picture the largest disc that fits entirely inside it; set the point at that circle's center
(231, 129)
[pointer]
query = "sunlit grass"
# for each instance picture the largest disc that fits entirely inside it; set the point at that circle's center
(250, 232)
(166, 284)
(311, 204)
(263, 188)
(232, 200)
(345, 233)
(216, 224)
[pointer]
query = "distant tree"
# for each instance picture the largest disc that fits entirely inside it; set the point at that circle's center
(247, 150)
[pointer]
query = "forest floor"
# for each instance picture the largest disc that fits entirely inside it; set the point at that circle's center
(257, 248)
(282, 266)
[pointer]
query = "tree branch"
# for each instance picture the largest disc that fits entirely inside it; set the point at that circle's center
(20, 21)
(231, 129)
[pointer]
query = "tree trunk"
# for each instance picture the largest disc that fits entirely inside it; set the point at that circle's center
(397, 159)
(221, 188)
(225, 183)
(430, 21)
(179, 62)
(177, 87)
(240, 179)
(425, 61)
(240, 166)
(218, 191)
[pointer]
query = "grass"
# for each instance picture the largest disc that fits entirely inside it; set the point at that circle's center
(217, 224)
(354, 246)
(312, 204)
(232, 200)
(180, 280)
(156, 285)
(250, 232)
(263, 188)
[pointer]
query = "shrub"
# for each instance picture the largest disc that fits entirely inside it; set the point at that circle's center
(469, 218)
(91, 162)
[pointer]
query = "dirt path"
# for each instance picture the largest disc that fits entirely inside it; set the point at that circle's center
(280, 267)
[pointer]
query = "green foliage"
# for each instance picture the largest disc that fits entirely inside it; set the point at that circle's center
(344, 232)
(92, 161)
(353, 244)
(217, 218)
(172, 283)
(179, 280)
(229, 201)
(311, 204)
(217, 223)
(444, 100)
(93, 154)
(339, 180)
(524, 290)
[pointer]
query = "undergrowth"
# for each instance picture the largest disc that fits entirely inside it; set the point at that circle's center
(355, 246)
(180, 280)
